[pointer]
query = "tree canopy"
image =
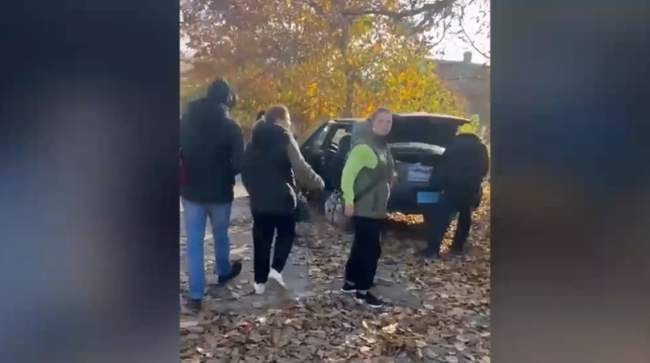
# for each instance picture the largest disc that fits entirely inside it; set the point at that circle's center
(321, 58)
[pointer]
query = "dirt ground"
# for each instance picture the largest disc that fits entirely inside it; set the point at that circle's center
(436, 311)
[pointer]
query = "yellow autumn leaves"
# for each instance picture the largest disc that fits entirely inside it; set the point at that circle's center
(309, 56)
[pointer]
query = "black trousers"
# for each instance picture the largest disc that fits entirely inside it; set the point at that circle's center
(440, 219)
(362, 264)
(264, 230)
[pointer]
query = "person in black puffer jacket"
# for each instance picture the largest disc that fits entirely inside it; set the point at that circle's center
(211, 151)
(272, 163)
(461, 171)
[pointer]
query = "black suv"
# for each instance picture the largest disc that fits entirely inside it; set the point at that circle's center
(417, 140)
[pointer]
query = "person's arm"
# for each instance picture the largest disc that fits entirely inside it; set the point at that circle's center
(237, 147)
(245, 169)
(305, 175)
(486, 160)
(391, 168)
(361, 156)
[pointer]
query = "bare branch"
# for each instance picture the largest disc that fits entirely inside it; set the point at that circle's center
(464, 33)
(437, 7)
(471, 42)
(442, 37)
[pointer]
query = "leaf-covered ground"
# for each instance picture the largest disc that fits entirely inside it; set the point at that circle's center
(437, 312)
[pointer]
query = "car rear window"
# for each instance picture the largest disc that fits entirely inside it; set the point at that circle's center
(422, 131)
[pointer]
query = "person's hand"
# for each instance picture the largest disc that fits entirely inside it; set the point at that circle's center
(349, 210)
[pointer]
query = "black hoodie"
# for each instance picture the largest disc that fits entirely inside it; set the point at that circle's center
(211, 147)
(463, 166)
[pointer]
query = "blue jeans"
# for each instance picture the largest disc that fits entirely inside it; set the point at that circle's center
(196, 215)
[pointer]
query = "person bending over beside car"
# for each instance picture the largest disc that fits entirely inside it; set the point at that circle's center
(365, 184)
(271, 160)
(462, 169)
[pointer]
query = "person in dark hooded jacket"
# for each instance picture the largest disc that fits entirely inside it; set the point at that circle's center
(461, 171)
(272, 164)
(211, 151)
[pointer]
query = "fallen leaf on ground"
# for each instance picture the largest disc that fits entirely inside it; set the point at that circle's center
(448, 312)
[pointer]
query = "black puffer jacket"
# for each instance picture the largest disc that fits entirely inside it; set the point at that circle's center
(211, 147)
(267, 172)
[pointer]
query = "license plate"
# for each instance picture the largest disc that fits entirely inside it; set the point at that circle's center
(427, 197)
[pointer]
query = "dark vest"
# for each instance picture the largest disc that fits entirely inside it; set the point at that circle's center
(373, 204)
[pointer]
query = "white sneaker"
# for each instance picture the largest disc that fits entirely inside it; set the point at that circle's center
(277, 276)
(259, 288)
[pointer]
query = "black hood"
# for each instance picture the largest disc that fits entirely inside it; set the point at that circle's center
(206, 110)
(267, 135)
(467, 139)
(221, 92)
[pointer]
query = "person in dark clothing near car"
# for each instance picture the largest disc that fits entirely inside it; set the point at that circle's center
(273, 168)
(461, 171)
(212, 147)
(365, 183)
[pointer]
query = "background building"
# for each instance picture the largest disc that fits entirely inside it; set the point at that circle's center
(470, 81)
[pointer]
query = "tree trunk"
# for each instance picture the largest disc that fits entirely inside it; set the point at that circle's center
(348, 71)
(349, 94)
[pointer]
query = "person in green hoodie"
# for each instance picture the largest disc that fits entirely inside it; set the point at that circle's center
(365, 183)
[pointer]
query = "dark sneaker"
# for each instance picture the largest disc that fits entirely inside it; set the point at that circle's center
(428, 255)
(457, 253)
(193, 305)
(460, 251)
(432, 258)
(235, 270)
(348, 288)
(370, 299)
